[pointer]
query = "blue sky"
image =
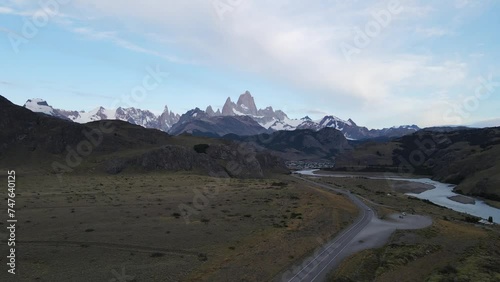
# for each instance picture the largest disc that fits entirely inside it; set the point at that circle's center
(381, 63)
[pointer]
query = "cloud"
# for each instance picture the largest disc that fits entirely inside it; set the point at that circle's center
(7, 83)
(487, 123)
(6, 10)
(114, 38)
(433, 31)
(297, 43)
(476, 55)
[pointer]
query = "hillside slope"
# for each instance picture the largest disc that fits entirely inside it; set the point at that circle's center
(301, 144)
(37, 142)
(469, 158)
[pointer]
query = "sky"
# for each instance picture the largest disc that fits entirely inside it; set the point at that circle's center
(380, 63)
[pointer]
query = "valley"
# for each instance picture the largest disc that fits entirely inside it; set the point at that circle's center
(175, 226)
(196, 207)
(468, 158)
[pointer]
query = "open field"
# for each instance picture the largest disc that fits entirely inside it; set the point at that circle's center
(100, 227)
(451, 248)
(447, 251)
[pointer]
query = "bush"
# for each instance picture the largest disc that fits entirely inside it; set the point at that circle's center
(471, 219)
(201, 148)
(448, 269)
(202, 257)
(157, 255)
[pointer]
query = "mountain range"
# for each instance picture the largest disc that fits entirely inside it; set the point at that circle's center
(46, 144)
(131, 115)
(242, 118)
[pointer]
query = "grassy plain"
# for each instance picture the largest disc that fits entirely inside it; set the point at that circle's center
(97, 227)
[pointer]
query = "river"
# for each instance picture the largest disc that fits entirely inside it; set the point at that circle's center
(439, 195)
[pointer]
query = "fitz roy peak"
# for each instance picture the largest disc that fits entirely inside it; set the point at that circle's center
(275, 120)
(246, 107)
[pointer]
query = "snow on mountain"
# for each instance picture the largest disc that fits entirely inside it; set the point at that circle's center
(39, 106)
(140, 117)
(277, 120)
(334, 122)
(285, 124)
(96, 114)
(413, 127)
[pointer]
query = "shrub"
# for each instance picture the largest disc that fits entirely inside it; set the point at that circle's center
(471, 219)
(201, 148)
(157, 255)
(448, 269)
(202, 257)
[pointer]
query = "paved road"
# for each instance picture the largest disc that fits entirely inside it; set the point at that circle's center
(317, 266)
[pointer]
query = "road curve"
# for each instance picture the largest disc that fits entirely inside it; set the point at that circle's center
(317, 266)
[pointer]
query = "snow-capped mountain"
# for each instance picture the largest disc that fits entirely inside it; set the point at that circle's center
(41, 106)
(140, 117)
(276, 120)
(268, 118)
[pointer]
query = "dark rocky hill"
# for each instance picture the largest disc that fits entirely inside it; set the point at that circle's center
(39, 142)
(197, 122)
(301, 144)
(467, 157)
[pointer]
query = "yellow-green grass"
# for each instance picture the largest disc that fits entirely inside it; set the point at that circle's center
(91, 224)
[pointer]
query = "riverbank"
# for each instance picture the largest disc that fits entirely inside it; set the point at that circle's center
(441, 195)
(463, 199)
(404, 187)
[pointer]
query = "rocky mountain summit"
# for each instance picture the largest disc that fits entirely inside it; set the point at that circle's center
(144, 118)
(276, 120)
